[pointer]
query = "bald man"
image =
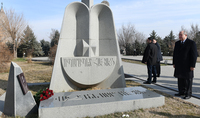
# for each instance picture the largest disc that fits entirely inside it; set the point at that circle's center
(184, 61)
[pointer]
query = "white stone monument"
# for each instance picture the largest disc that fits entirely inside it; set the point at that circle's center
(18, 101)
(88, 52)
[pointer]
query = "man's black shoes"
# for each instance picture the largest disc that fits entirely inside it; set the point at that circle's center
(146, 82)
(183, 96)
(180, 95)
(187, 97)
(153, 82)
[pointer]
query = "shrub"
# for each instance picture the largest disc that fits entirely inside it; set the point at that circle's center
(52, 53)
(6, 57)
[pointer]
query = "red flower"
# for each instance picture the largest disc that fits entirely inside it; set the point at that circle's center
(44, 97)
(41, 95)
(45, 94)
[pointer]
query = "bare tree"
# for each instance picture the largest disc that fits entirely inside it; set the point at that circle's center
(194, 30)
(126, 35)
(14, 26)
(140, 37)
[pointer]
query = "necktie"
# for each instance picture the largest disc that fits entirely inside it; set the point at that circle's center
(181, 43)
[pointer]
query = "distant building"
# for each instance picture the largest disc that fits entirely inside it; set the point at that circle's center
(4, 36)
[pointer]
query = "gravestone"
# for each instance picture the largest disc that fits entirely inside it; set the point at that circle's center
(88, 52)
(18, 100)
(98, 102)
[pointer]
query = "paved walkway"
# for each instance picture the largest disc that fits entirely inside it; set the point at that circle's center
(166, 78)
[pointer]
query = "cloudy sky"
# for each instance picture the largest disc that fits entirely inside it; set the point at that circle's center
(146, 15)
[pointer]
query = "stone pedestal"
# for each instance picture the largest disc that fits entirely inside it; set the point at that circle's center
(17, 103)
(98, 102)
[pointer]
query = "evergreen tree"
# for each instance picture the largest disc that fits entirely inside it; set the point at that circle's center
(45, 47)
(54, 36)
(153, 35)
(137, 47)
(197, 41)
(29, 45)
(169, 41)
(163, 46)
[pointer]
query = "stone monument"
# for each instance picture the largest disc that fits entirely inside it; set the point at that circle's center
(88, 52)
(88, 55)
(18, 100)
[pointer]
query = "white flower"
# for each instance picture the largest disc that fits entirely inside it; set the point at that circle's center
(125, 115)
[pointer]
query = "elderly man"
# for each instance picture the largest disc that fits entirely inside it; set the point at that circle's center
(150, 58)
(184, 60)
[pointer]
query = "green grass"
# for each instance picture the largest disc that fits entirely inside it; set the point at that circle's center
(137, 62)
(19, 60)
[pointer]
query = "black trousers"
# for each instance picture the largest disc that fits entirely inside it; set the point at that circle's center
(151, 69)
(158, 68)
(185, 86)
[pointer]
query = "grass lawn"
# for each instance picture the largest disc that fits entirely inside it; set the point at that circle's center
(41, 72)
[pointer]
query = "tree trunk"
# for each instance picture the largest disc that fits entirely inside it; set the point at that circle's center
(14, 50)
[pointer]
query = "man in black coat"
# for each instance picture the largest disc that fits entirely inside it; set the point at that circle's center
(149, 58)
(184, 60)
(159, 57)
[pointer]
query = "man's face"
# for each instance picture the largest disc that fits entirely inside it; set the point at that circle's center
(154, 41)
(182, 36)
(149, 41)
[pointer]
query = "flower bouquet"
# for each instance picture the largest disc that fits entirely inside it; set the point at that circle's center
(43, 94)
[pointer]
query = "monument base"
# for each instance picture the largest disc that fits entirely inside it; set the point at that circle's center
(98, 102)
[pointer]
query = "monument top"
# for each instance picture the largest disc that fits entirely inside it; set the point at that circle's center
(88, 52)
(89, 3)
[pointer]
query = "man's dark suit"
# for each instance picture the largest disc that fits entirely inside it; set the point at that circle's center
(150, 56)
(159, 58)
(184, 57)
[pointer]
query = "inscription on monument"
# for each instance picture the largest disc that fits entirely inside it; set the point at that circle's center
(22, 82)
(99, 95)
(89, 70)
(88, 62)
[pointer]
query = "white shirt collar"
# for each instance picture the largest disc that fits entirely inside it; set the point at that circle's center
(184, 40)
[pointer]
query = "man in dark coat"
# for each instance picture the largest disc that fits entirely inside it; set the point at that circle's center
(159, 57)
(149, 58)
(184, 60)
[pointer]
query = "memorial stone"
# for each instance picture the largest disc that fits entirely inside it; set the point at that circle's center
(18, 100)
(88, 52)
(98, 102)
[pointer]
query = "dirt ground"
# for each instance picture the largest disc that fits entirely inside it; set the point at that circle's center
(34, 72)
